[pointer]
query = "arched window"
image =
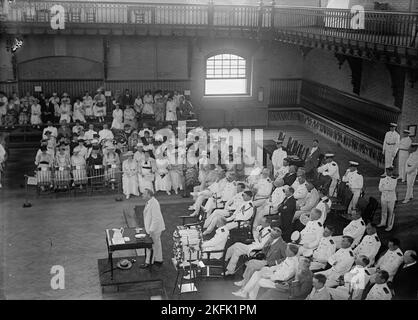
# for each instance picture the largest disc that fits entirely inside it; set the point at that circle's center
(226, 74)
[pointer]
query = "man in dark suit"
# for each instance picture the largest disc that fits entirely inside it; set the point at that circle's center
(312, 160)
(405, 282)
(290, 177)
(286, 211)
(274, 251)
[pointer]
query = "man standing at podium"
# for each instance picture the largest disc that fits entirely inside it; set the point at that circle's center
(154, 226)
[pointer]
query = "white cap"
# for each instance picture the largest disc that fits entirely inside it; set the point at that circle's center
(393, 124)
(329, 155)
(353, 163)
(407, 131)
(295, 236)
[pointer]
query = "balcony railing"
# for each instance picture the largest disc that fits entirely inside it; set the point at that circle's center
(380, 27)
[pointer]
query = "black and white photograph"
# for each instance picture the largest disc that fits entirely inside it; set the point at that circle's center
(224, 151)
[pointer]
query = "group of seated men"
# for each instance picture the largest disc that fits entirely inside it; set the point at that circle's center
(295, 251)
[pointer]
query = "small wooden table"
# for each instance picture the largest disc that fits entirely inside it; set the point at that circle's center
(133, 243)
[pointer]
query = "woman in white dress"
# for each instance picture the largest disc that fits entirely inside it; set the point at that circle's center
(35, 118)
(88, 105)
(129, 115)
(44, 162)
(176, 173)
(62, 167)
(65, 112)
(171, 110)
(78, 166)
(117, 122)
(148, 100)
(99, 111)
(130, 175)
(138, 105)
(79, 112)
(162, 177)
(146, 172)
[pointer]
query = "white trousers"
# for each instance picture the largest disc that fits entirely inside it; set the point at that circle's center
(332, 187)
(257, 280)
(390, 154)
(156, 247)
(234, 252)
(403, 156)
(410, 181)
(353, 204)
(387, 206)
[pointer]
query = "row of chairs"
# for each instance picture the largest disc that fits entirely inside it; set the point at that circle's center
(293, 147)
(77, 179)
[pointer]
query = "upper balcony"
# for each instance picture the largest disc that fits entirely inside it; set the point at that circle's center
(387, 36)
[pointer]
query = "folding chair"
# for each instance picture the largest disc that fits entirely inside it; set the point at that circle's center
(44, 179)
(62, 178)
(96, 176)
(79, 174)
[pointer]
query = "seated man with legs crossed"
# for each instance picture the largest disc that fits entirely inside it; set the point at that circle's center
(238, 249)
(311, 235)
(273, 252)
(243, 214)
(267, 276)
(326, 248)
(215, 218)
(341, 262)
(226, 191)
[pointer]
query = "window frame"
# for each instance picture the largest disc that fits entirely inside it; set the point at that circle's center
(247, 77)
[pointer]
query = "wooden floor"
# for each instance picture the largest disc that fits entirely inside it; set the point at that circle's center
(70, 232)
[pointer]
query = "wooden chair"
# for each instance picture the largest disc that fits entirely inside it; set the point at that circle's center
(244, 231)
(370, 210)
(213, 263)
(341, 208)
(198, 220)
(97, 179)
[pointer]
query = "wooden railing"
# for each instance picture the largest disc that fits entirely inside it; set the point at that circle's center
(360, 114)
(284, 92)
(75, 87)
(380, 27)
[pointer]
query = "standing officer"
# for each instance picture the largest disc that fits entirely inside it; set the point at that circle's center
(411, 170)
(404, 146)
(278, 156)
(330, 168)
(355, 183)
(387, 186)
(390, 145)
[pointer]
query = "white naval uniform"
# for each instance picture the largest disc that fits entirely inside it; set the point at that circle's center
(390, 261)
(242, 214)
(355, 281)
(301, 193)
(341, 262)
(326, 248)
(261, 235)
(387, 186)
(355, 182)
(310, 202)
(390, 147)
(264, 187)
(369, 247)
(281, 172)
(311, 234)
(411, 174)
(267, 276)
(217, 243)
(355, 229)
(277, 159)
(226, 191)
(379, 292)
(216, 217)
(271, 206)
(331, 169)
(105, 134)
(324, 205)
(404, 146)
